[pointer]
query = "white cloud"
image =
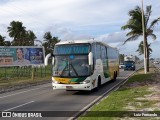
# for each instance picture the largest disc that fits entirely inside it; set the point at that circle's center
(60, 11)
(117, 40)
(113, 37)
(74, 19)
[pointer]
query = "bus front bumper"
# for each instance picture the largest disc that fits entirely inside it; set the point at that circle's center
(86, 87)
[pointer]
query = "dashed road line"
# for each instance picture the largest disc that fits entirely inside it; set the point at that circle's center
(24, 91)
(19, 106)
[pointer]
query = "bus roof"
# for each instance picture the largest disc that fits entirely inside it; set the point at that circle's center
(82, 41)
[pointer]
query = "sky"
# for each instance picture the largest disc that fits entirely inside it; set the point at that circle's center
(79, 19)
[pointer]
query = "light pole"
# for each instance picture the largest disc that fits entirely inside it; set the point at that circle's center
(144, 42)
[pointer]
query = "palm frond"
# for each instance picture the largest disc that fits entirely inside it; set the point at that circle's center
(141, 50)
(154, 22)
(150, 50)
(134, 32)
(132, 38)
(132, 27)
(153, 36)
(124, 27)
(135, 13)
(127, 26)
(136, 9)
(147, 14)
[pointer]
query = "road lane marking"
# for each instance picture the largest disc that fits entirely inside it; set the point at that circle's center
(19, 106)
(24, 91)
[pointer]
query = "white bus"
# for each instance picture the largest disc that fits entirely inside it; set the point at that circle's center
(83, 64)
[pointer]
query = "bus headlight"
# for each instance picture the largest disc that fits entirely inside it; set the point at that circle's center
(54, 81)
(85, 82)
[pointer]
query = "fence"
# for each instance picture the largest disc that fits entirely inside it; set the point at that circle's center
(32, 72)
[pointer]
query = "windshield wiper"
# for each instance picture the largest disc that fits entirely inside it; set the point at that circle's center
(74, 69)
(70, 64)
(63, 70)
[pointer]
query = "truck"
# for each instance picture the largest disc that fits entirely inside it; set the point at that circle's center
(129, 62)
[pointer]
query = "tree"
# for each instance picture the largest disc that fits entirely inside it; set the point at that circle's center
(134, 24)
(7, 43)
(121, 58)
(17, 32)
(30, 38)
(141, 50)
(49, 42)
(2, 41)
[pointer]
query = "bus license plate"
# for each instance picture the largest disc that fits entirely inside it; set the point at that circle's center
(69, 87)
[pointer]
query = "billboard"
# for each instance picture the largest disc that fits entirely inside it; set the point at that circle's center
(21, 55)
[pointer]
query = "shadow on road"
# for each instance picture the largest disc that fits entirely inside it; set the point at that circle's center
(105, 87)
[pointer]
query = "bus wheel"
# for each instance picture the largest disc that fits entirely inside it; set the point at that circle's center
(114, 77)
(98, 84)
(116, 74)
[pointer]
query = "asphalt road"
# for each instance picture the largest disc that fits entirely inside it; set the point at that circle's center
(43, 98)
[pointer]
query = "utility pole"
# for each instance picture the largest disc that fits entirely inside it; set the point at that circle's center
(144, 42)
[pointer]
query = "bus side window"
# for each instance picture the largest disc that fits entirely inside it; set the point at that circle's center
(98, 51)
(108, 53)
(94, 56)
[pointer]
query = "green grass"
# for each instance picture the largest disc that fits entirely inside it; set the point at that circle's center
(22, 81)
(140, 78)
(124, 99)
(13, 76)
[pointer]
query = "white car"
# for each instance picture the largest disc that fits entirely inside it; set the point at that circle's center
(156, 62)
(121, 65)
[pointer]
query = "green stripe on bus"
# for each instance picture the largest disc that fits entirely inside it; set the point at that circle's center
(81, 79)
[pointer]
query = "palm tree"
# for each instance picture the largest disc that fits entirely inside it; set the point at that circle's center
(121, 58)
(134, 24)
(141, 50)
(2, 41)
(7, 43)
(49, 42)
(48, 38)
(17, 32)
(30, 38)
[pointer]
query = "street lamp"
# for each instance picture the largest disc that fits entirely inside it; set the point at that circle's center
(144, 42)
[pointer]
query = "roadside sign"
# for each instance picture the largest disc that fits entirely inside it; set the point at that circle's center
(21, 56)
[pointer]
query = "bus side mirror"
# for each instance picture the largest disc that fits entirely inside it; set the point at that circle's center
(53, 60)
(90, 58)
(46, 59)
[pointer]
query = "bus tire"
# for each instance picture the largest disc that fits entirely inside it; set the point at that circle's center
(98, 83)
(114, 77)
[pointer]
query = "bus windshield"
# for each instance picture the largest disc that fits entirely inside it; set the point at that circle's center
(71, 66)
(71, 49)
